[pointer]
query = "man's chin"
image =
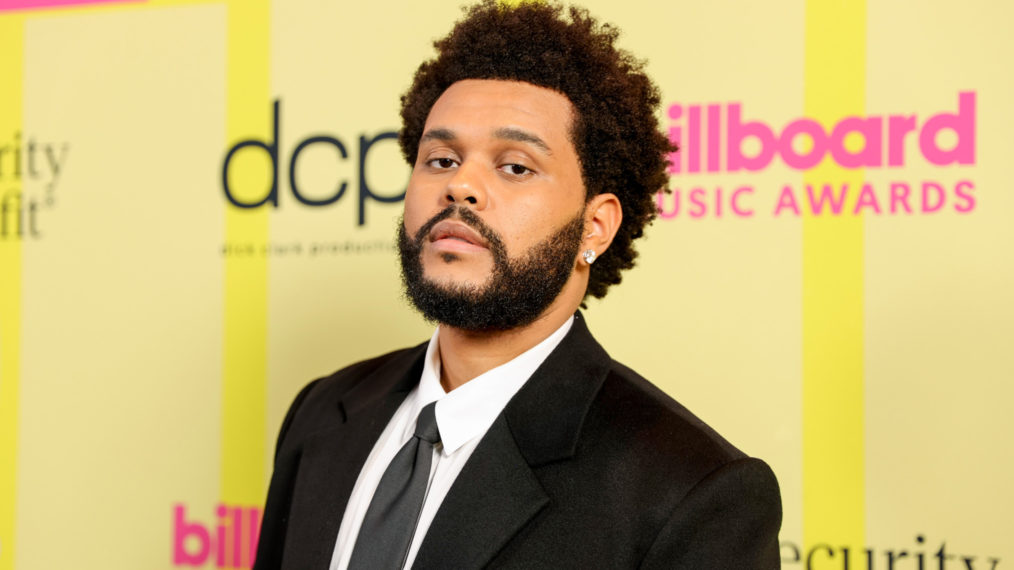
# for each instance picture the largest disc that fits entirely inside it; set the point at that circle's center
(458, 277)
(457, 286)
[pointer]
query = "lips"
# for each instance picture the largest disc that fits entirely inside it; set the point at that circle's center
(452, 232)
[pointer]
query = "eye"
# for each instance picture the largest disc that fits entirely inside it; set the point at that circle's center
(516, 169)
(442, 163)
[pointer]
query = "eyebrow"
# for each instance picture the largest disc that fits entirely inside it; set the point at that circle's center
(514, 134)
(504, 133)
(445, 135)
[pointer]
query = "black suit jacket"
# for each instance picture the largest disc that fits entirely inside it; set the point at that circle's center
(588, 466)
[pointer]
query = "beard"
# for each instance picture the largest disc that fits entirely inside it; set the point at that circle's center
(517, 291)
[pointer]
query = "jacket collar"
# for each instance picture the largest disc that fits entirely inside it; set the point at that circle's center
(395, 379)
(498, 491)
(545, 416)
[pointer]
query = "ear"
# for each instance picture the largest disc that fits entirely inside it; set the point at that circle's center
(603, 215)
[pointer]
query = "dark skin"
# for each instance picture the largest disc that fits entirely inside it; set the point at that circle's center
(613, 118)
(502, 148)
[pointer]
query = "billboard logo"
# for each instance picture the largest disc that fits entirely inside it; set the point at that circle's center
(720, 139)
(705, 132)
(231, 542)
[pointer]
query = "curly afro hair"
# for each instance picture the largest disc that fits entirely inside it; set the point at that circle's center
(615, 131)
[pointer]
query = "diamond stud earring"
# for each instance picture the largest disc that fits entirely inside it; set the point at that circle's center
(589, 256)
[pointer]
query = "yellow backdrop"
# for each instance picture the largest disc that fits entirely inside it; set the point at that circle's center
(197, 203)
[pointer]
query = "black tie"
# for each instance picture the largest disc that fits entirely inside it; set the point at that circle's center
(391, 519)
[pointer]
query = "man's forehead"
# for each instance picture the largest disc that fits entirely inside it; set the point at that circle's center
(508, 110)
(503, 133)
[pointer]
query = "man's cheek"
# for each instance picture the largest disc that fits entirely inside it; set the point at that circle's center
(411, 216)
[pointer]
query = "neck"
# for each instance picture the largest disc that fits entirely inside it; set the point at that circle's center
(467, 354)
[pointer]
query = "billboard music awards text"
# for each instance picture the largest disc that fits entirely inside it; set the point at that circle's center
(718, 139)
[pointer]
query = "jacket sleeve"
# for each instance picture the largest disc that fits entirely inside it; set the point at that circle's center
(730, 519)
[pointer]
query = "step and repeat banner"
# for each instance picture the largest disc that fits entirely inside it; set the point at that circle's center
(197, 210)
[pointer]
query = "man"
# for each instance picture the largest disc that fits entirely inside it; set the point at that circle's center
(536, 156)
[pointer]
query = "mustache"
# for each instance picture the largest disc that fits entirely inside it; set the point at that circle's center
(469, 218)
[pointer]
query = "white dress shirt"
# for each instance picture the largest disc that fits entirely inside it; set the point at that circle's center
(463, 417)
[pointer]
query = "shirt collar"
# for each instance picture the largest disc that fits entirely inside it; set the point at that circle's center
(467, 412)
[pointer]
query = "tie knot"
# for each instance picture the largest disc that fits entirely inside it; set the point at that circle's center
(426, 425)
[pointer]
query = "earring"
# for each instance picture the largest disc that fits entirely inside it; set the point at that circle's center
(589, 256)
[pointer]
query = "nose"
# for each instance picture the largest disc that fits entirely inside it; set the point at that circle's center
(467, 186)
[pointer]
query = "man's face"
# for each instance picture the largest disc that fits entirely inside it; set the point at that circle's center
(494, 209)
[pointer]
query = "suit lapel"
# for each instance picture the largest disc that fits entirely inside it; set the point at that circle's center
(498, 492)
(495, 495)
(548, 412)
(332, 458)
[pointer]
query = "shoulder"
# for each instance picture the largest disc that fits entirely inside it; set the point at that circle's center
(345, 380)
(663, 451)
(321, 402)
(711, 499)
(639, 418)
